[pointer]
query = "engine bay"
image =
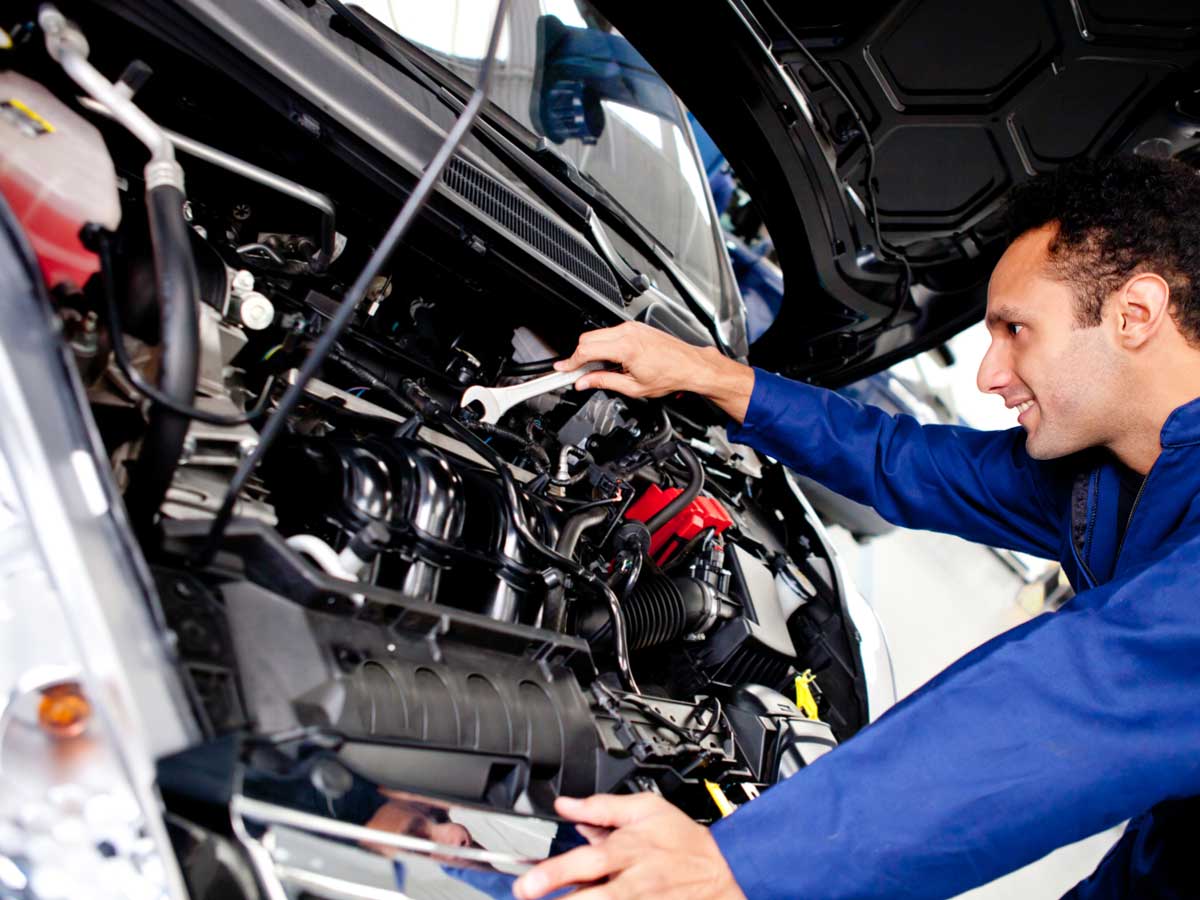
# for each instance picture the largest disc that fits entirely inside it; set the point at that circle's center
(593, 594)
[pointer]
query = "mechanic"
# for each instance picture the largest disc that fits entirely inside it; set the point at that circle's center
(1059, 728)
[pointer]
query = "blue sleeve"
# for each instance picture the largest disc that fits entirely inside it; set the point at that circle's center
(980, 485)
(1049, 733)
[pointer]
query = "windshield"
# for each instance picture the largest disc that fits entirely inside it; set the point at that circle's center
(566, 74)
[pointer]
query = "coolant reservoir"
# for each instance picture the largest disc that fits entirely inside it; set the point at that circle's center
(57, 175)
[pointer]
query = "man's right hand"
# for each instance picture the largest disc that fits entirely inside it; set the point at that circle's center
(654, 364)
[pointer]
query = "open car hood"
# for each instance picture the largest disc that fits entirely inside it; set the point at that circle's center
(959, 102)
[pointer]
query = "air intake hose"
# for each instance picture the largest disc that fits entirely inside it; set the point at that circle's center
(654, 611)
(661, 609)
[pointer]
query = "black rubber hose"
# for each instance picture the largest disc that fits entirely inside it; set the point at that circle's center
(539, 458)
(178, 289)
(534, 367)
(687, 495)
(554, 615)
(575, 526)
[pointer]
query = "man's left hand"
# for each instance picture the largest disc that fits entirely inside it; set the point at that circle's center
(654, 850)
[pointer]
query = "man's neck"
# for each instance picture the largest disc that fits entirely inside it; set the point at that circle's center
(1173, 384)
(1139, 453)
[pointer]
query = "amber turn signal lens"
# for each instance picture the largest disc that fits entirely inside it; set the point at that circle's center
(64, 711)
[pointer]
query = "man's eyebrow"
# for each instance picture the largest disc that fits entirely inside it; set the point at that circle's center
(1002, 314)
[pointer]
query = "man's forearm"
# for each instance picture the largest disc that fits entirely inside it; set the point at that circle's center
(725, 382)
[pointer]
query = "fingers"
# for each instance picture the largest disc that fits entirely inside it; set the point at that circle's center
(609, 891)
(610, 810)
(579, 866)
(605, 345)
(598, 859)
(593, 834)
(611, 381)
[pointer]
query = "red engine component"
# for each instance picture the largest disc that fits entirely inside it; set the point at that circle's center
(701, 513)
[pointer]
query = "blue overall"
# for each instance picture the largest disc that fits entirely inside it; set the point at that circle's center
(1051, 732)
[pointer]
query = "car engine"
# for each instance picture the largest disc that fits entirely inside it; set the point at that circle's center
(593, 594)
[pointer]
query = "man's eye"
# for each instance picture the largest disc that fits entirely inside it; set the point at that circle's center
(1014, 328)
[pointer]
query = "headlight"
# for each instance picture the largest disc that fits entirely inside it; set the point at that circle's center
(71, 824)
(83, 671)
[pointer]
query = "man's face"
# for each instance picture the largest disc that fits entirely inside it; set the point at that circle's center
(1061, 378)
(417, 819)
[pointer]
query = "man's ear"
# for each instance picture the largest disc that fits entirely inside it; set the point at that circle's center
(1142, 308)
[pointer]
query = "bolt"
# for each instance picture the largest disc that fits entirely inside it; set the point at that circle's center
(243, 282)
(256, 311)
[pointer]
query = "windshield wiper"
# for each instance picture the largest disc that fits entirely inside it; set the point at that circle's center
(573, 193)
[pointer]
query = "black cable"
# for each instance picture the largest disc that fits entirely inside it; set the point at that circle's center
(626, 577)
(697, 539)
(537, 454)
(354, 295)
(717, 716)
(135, 378)
(588, 504)
(643, 705)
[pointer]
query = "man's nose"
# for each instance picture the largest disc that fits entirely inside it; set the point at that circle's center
(995, 370)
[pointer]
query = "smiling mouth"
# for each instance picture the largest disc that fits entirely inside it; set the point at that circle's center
(1022, 407)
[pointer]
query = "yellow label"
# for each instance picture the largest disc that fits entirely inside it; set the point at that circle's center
(25, 118)
(804, 695)
(724, 804)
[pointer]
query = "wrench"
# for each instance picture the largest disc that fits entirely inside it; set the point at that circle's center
(496, 401)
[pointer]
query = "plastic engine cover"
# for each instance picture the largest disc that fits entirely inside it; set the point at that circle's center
(701, 513)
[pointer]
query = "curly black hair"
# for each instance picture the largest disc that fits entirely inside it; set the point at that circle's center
(1118, 217)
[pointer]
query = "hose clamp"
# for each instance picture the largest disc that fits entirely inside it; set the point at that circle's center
(163, 173)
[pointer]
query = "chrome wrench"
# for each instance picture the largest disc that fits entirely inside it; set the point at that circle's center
(496, 401)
